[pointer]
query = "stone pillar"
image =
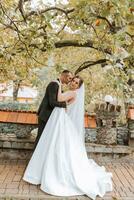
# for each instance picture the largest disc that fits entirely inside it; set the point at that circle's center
(106, 115)
(122, 134)
(131, 125)
(90, 127)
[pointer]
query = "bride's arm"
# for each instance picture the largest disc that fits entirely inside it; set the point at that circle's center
(68, 96)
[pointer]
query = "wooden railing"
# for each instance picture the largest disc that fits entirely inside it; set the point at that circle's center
(29, 117)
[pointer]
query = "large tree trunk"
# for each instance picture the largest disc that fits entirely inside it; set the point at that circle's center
(16, 86)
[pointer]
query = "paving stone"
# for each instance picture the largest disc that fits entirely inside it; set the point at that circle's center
(16, 188)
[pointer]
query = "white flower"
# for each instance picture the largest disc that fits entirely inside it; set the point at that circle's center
(119, 65)
(35, 4)
(121, 53)
(108, 98)
(107, 67)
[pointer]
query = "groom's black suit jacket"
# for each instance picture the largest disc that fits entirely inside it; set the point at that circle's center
(46, 107)
(49, 101)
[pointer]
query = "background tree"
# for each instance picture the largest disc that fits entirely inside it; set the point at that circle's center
(97, 38)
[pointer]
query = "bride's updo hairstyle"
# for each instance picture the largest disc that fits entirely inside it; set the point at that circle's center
(80, 80)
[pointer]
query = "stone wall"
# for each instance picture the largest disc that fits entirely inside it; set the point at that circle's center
(106, 116)
(90, 135)
(130, 117)
(14, 148)
(122, 135)
(131, 132)
(23, 131)
(20, 130)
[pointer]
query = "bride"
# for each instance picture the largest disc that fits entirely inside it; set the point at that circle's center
(60, 163)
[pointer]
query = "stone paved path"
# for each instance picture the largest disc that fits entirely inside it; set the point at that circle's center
(13, 187)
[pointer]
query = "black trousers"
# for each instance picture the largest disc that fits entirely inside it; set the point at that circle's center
(41, 126)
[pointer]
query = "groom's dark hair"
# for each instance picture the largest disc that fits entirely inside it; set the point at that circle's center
(65, 71)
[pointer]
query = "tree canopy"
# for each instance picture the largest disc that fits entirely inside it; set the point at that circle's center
(100, 30)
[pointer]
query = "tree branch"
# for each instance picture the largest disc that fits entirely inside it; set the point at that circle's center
(66, 12)
(20, 6)
(112, 26)
(73, 43)
(4, 12)
(88, 64)
(104, 18)
(130, 35)
(76, 43)
(61, 29)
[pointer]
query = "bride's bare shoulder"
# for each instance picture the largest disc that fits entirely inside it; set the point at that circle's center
(73, 92)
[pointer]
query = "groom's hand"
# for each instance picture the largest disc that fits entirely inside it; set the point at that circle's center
(70, 101)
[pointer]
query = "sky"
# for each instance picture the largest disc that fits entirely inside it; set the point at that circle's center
(35, 4)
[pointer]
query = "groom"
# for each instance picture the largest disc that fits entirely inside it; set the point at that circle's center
(49, 101)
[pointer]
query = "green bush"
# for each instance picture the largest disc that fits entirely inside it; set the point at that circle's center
(17, 106)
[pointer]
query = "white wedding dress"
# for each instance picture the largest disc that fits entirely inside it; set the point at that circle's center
(60, 163)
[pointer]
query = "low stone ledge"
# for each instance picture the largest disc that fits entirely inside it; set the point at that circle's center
(12, 137)
(12, 142)
(14, 154)
(99, 148)
(14, 148)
